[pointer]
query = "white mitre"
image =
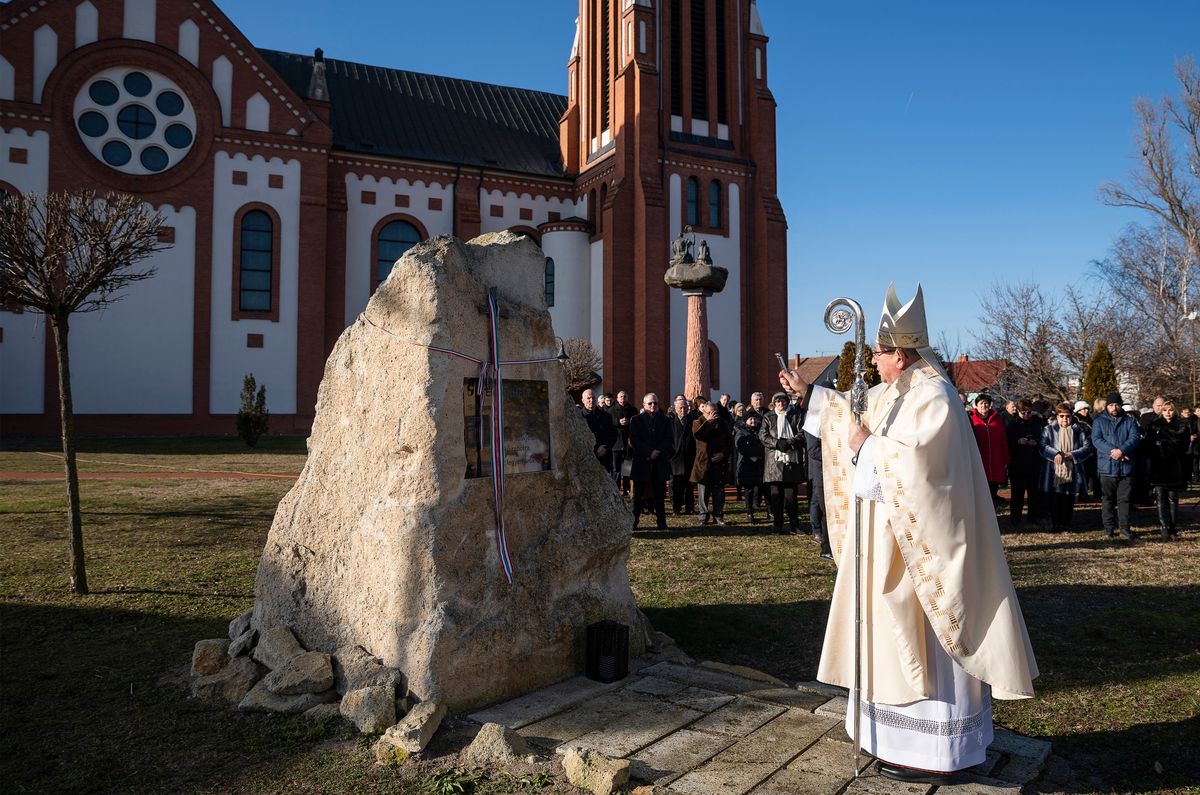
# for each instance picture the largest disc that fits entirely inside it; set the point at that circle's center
(904, 326)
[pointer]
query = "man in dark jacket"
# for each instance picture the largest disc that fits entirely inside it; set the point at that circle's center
(683, 494)
(1025, 467)
(1115, 436)
(650, 447)
(603, 429)
(622, 412)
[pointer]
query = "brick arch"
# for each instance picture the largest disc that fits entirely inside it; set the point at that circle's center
(387, 219)
(236, 312)
(528, 231)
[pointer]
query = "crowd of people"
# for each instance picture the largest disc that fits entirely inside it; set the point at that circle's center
(1050, 455)
(693, 449)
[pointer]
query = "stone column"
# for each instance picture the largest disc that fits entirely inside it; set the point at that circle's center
(696, 378)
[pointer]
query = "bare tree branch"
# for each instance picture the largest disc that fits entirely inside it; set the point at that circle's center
(64, 253)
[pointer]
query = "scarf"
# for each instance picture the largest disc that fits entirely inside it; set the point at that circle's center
(783, 430)
(1065, 472)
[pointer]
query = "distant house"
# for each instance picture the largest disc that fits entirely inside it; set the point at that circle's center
(981, 375)
(818, 370)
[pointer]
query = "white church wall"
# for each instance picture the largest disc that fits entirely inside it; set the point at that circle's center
(724, 308)
(23, 347)
(135, 357)
(274, 364)
(572, 310)
(597, 291)
(509, 204)
(363, 214)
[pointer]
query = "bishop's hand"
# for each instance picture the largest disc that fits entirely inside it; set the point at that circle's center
(792, 383)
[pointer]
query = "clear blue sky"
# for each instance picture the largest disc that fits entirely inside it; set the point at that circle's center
(955, 142)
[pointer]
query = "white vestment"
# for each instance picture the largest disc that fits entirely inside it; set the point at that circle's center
(941, 623)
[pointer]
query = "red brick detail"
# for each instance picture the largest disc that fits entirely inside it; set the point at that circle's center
(526, 214)
(401, 199)
(240, 178)
(166, 234)
(18, 155)
(236, 312)
(368, 197)
(496, 211)
(254, 340)
(275, 180)
(435, 203)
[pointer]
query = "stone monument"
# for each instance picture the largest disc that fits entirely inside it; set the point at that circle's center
(698, 279)
(390, 539)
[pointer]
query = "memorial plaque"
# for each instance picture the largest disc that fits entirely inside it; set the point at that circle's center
(526, 427)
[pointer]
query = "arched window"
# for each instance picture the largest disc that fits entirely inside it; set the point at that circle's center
(395, 238)
(693, 202)
(256, 263)
(549, 279)
(714, 204)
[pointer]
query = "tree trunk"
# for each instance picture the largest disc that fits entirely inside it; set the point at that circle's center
(67, 412)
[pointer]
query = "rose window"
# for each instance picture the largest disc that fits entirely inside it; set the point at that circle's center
(135, 120)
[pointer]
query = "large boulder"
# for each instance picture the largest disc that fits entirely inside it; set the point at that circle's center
(386, 543)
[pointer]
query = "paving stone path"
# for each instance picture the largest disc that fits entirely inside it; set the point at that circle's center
(702, 731)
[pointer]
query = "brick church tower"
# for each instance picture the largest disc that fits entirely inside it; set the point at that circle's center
(670, 123)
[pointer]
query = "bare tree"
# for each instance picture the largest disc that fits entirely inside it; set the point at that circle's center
(65, 253)
(1085, 319)
(1155, 269)
(1020, 324)
(1154, 277)
(582, 366)
(1166, 183)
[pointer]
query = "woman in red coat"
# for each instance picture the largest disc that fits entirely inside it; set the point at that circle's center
(992, 440)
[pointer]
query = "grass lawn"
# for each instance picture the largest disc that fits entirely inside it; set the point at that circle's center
(89, 693)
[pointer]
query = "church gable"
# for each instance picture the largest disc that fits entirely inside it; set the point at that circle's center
(40, 35)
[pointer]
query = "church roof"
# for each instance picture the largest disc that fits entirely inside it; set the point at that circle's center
(396, 113)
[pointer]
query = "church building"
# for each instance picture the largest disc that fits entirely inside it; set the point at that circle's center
(291, 183)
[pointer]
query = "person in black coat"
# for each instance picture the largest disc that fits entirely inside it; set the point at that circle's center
(1025, 463)
(622, 412)
(1167, 440)
(604, 430)
(783, 439)
(816, 493)
(650, 447)
(750, 458)
(683, 492)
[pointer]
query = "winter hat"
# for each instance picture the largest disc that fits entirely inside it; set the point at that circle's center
(1113, 397)
(780, 396)
(1082, 404)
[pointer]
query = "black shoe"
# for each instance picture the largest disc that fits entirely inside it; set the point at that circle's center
(663, 526)
(750, 518)
(827, 555)
(911, 775)
(707, 520)
(721, 521)
(1126, 535)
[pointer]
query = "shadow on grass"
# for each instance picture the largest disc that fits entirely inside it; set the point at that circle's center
(1165, 760)
(83, 710)
(167, 445)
